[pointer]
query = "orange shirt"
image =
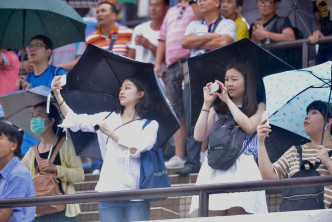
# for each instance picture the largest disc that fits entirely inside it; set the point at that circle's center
(120, 45)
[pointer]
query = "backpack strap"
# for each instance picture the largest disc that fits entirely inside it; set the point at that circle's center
(216, 24)
(37, 154)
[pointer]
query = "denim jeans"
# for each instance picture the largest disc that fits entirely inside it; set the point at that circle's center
(56, 217)
(120, 211)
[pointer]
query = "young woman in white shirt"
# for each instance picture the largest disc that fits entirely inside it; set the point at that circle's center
(121, 138)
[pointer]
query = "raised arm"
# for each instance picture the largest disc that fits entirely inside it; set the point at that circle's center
(248, 124)
(206, 118)
(55, 84)
(264, 163)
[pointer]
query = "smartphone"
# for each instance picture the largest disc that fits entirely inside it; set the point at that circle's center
(266, 116)
(213, 87)
(63, 80)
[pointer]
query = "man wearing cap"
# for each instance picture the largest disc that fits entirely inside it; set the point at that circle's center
(170, 50)
(108, 35)
(15, 179)
(212, 32)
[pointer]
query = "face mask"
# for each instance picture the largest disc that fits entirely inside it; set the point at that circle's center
(37, 126)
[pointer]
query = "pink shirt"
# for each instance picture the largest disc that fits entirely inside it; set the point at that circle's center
(9, 73)
(172, 31)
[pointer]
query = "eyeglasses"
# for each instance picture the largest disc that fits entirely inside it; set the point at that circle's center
(180, 15)
(36, 46)
(266, 3)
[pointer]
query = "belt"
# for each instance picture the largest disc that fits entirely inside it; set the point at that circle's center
(180, 61)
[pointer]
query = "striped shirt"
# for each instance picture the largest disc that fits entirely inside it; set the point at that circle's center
(172, 31)
(120, 45)
(289, 164)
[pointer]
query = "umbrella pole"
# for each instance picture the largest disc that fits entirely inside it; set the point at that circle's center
(22, 55)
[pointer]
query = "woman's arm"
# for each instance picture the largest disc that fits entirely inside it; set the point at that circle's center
(205, 120)
(264, 163)
(71, 169)
(55, 84)
(248, 124)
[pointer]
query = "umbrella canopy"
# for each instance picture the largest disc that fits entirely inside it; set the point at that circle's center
(289, 93)
(211, 65)
(20, 20)
(18, 106)
(298, 11)
(93, 86)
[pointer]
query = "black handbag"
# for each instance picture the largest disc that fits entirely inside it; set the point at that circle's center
(225, 143)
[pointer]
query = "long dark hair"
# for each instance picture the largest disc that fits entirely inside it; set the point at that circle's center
(321, 107)
(54, 113)
(249, 103)
(143, 106)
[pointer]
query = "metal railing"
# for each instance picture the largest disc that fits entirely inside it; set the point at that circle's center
(303, 43)
(202, 190)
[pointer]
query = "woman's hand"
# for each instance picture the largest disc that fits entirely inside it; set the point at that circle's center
(105, 129)
(56, 85)
(263, 130)
(322, 154)
(223, 96)
(208, 98)
(47, 166)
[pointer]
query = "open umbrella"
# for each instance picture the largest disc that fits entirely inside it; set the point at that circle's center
(298, 11)
(18, 106)
(289, 93)
(20, 20)
(211, 65)
(93, 86)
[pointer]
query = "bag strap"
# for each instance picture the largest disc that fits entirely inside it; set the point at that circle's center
(216, 24)
(57, 148)
(113, 37)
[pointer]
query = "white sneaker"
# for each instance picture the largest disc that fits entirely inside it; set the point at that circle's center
(175, 162)
(96, 171)
(202, 156)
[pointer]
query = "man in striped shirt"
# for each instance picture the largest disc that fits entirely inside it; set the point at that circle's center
(108, 35)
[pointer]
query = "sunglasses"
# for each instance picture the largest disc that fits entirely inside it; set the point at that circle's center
(180, 15)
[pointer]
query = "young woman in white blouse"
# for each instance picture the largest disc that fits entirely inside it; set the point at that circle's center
(121, 138)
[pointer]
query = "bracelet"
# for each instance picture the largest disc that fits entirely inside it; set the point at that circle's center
(205, 110)
(61, 102)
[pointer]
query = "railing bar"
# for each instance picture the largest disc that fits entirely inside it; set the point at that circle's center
(168, 192)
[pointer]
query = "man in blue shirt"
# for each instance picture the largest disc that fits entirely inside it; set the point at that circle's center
(39, 52)
(15, 178)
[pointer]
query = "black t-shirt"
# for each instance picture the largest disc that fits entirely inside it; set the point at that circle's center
(321, 6)
(277, 24)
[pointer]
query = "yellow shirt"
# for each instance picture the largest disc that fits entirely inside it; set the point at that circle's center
(241, 29)
(69, 172)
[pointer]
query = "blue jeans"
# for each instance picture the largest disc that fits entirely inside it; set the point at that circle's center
(193, 147)
(120, 211)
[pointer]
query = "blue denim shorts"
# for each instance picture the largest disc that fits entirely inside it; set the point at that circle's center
(119, 211)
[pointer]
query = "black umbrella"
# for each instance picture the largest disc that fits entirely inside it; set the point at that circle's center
(211, 66)
(93, 86)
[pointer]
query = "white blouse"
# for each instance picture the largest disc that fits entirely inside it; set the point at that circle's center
(120, 170)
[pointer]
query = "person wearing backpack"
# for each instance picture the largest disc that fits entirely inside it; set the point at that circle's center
(239, 113)
(122, 137)
(289, 164)
(65, 168)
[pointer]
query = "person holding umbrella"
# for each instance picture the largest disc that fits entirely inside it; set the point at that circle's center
(67, 167)
(238, 100)
(122, 137)
(288, 164)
